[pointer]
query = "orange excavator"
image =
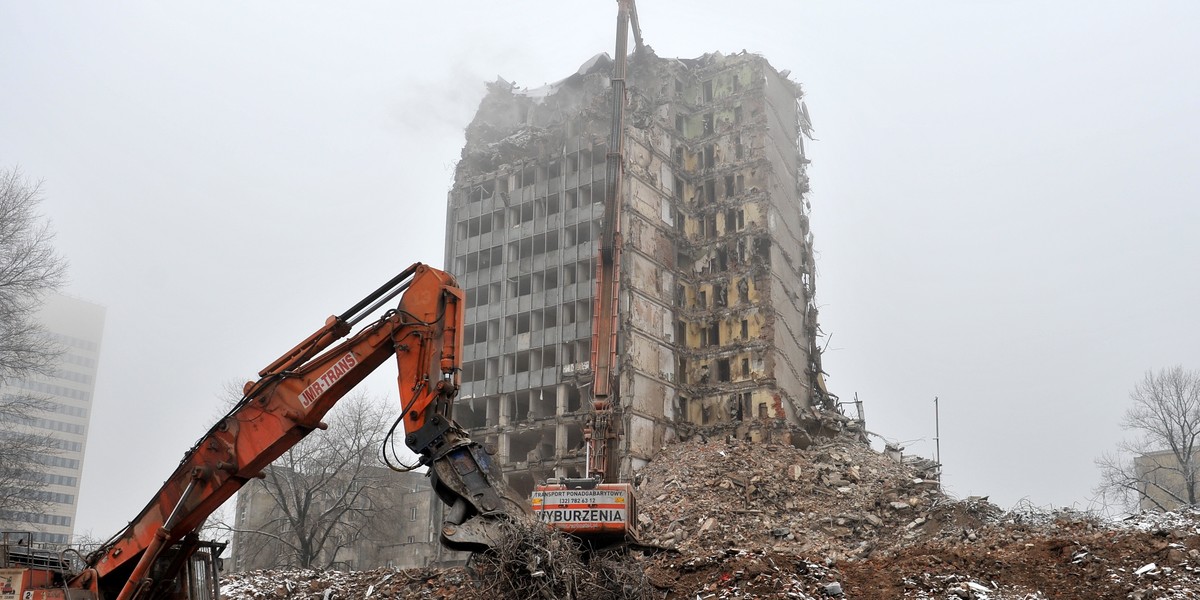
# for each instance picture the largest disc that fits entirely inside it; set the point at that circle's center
(159, 554)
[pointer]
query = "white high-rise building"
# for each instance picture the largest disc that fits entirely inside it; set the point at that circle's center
(77, 326)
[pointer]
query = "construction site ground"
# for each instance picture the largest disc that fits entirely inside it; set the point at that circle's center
(724, 518)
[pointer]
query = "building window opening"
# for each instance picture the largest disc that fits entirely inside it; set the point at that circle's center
(762, 247)
(723, 370)
(600, 155)
(523, 213)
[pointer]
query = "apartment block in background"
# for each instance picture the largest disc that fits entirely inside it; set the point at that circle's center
(77, 327)
(718, 327)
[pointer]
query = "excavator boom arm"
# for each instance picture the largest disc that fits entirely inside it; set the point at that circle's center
(293, 394)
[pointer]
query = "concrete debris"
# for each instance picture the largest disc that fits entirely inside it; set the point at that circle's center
(735, 519)
(330, 585)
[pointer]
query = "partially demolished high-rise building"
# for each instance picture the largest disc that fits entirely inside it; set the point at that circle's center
(717, 324)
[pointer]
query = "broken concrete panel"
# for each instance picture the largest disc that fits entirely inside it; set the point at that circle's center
(640, 436)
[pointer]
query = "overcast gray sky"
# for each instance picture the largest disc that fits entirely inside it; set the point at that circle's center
(1004, 197)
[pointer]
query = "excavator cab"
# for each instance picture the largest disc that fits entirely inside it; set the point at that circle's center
(593, 509)
(188, 570)
(599, 513)
(24, 566)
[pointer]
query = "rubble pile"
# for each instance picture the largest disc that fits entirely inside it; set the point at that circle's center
(838, 501)
(877, 528)
(1062, 555)
(330, 585)
(731, 519)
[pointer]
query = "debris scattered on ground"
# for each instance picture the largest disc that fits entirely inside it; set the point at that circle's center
(535, 561)
(730, 519)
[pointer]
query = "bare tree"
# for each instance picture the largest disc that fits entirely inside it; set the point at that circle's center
(29, 268)
(323, 492)
(1159, 467)
(24, 455)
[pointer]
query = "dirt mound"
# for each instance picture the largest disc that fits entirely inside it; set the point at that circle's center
(732, 519)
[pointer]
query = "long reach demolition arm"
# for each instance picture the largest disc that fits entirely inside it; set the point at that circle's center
(424, 335)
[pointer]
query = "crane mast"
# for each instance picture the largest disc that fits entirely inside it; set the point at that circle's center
(603, 432)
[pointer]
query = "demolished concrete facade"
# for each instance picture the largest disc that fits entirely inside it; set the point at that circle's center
(718, 327)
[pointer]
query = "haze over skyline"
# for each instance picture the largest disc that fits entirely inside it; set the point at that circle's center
(1004, 198)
